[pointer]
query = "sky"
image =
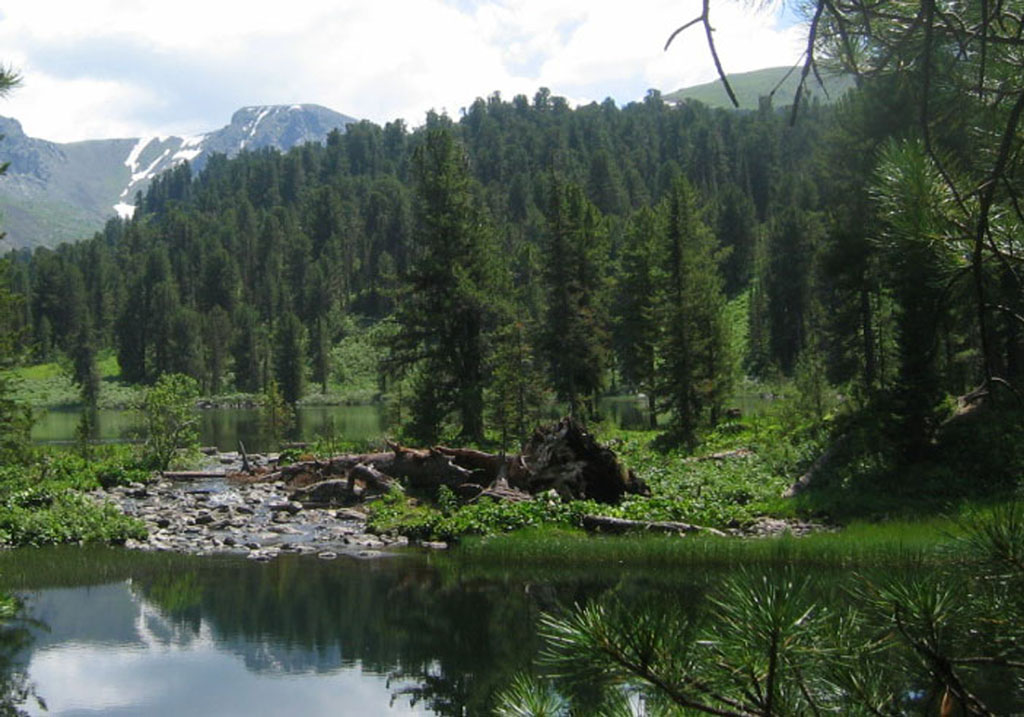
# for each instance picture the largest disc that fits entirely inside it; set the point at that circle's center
(134, 68)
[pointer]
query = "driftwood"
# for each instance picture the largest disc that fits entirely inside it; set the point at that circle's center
(607, 524)
(191, 475)
(722, 456)
(820, 462)
(562, 457)
(245, 458)
(565, 458)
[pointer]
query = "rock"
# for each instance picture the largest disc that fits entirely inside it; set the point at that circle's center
(434, 545)
(327, 555)
(349, 514)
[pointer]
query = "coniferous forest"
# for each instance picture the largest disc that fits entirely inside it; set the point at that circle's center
(530, 249)
(857, 263)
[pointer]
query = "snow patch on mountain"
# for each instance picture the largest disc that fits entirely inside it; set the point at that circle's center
(132, 160)
(125, 211)
(91, 180)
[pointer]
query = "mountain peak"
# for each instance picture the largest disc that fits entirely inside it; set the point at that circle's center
(62, 192)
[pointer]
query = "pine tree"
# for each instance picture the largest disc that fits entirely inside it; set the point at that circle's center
(446, 306)
(696, 367)
(637, 329)
(290, 357)
(575, 332)
(517, 390)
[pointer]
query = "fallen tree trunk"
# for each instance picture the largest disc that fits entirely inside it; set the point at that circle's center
(607, 524)
(819, 463)
(562, 457)
(722, 456)
(191, 475)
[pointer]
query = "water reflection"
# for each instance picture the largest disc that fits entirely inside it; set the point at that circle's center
(221, 427)
(16, 633)
(227, 636)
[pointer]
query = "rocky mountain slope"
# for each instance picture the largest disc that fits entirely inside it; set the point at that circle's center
(64, 192)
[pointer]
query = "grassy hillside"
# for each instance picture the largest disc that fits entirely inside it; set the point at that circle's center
(749, 86)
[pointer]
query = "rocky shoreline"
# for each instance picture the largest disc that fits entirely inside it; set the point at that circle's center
(218, 515)
(260, 520)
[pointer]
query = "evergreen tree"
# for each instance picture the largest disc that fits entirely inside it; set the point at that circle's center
(517, 390)
(446, 307)
(290, 357)
(575, 328)
(84, 372)
(637, 329)
(791, 247)
(913, 199)
(216, 326)
(696, 367)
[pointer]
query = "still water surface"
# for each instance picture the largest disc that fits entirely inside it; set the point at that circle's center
(221, 427)
(224, 427)
(133, 633)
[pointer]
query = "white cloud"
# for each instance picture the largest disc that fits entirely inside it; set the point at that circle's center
(69, 110)
(133, 67)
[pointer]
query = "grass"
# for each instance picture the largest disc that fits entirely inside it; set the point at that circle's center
(48, 385)
(750, 86)
(860, 544)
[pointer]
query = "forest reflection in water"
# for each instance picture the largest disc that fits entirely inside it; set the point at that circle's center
(162, 634)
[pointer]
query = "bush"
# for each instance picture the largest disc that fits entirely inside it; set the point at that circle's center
(171, 423)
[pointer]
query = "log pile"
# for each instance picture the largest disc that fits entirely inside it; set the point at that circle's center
(562, 457)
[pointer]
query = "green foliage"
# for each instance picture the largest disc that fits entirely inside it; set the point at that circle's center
(15, 417)
(447, 305)
(774, 643)
(517, 389)
(45, 517)
(695, 368)
(277, 416)
(290, 358)
(170, 420)
(395, 513)
(575, 333)
(526, 697)
(356, 358)
(46, 502)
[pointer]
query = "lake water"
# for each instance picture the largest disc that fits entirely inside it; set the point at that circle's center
(224, 427)
(129, 633)
(221, 427)
(157, 634)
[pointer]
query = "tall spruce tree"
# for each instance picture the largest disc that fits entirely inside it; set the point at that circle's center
(575, 332)
(290, 357)
(446, 306)
(696, 369)
(637, 327)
